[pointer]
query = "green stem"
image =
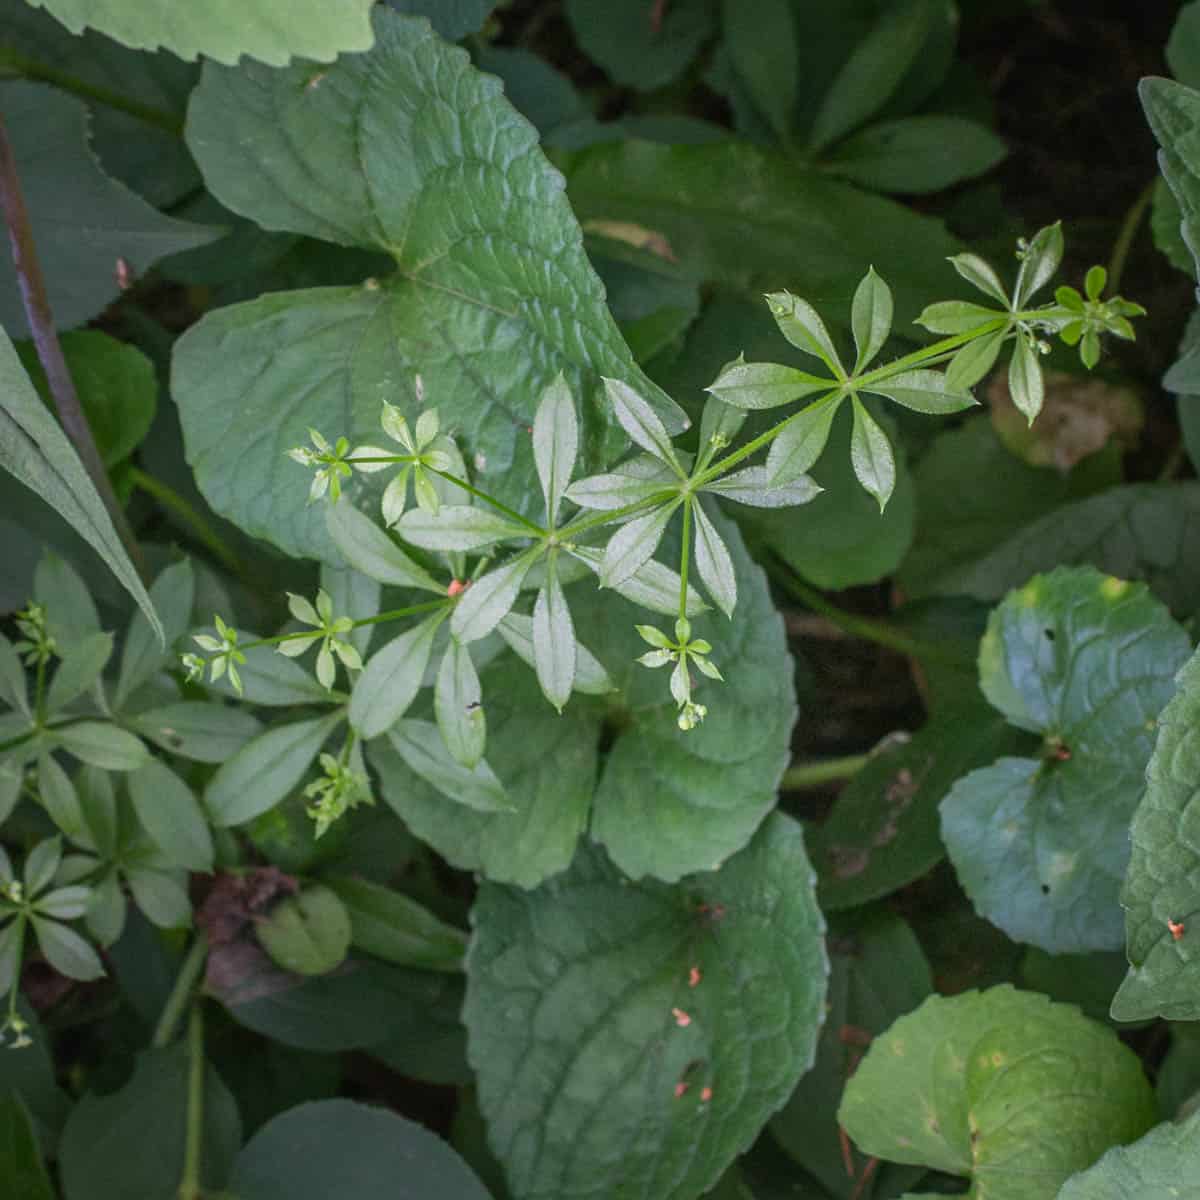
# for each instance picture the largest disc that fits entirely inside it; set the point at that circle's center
(32, 69)
(817, 774)
(511, 513)
(394, 614)
(39, 693)
(181, 992)
(1126, 234)
(190, 1186)
(685, 557)
(175, 503)
(581, 524)
(870, 630)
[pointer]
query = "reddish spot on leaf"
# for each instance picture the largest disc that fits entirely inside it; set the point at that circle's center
(705, 1095)
(681, 1018)
(680, 1088)
(456, 588)
(1177, 928)
(694, 976)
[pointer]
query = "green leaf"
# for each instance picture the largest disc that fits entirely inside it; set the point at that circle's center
(764, 385)
(41, 864)
(265, 770)
(1156, 1167)
(753, 486)
(393, 927)
(1039, 263)
(916, 155)
(1173, 112)
(870, 318)
(469, 301)
(21, 1164)
(426, 755)
(1025, 382)
(953, 317)
(70, 610)
(82, 221)
(590, 677)
(308, 933)
(633, 49)
(385, 690)
(35, 450)
(457, 702)
(116, 385)
(759, 222)
(555, 444)
(713, 562)
(171, 815)
(762, 48)
(800, 323)
(131, 1142)
(144, 652)
(393, 1159)
(489, 599)
(638, 479)
(161, 896)
(65, 950)
(369, 550)
(58, 797)
(271, 679)
(198, 730)
(356, 596)
(877, 973)
(1087, 662)
(79, 669)
(883, 832)
(796, 450)
(973, 362)
(634, 544)
(102, 745)
(224, 32)
(13, 691)
(927, 392)
(624, 1024)
(457, 527)
(971, 1083)
(639, 420)
(1159, 885)
(651, 586)
(873, 71)
(871, 455)
(980, 274)
(555, 650)
(453, 19)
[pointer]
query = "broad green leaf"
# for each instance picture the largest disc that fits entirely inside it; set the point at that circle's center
(764, 385)
(171, 815)
(308, 933)
(870, 318)
(978, 1083)
(222, 31)
(883, 832)
(1173, 111)
(78, 670)
(517, 820)
(555, 444)
(1140, 531)
(492, 286)
(1160, 1166)
(634, 544)
(871, 455)
(30, 1074)
(265, 770)
(457, 703)
(131, 1142)
(116, 385)
(391, 679)
(796, 450)
(877, 973)
(916, 155)
(102, 745)
(1166, 223)
(489, 599)
(761, 42)
(71, 612)
(35, 450)
(426, 755)
(457, 527)
(873, 71)
(393, 1158)
(1088, 981)
(638, 998)
(759, 222)
(66, 951)
(198, 730)
(635, 49)
(369, 550)
(555, 651)
(1087, 662)
(59, 798)
(82, 221)
(590, 677)
(162, 896)
(397, 929)
(21, 1163)
(453, 19)
(1160, 885)
(144, 653)
(1026, 384)
(1183, 46)
(713, 562)
(753, 486)
(651, 586)
(924, 392)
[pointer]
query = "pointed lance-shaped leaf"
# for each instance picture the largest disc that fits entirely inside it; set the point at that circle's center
(590, 676)
(799, 446)
(799, 323)
(952, 317)
(482, 606)
(1025, 383)
(633, 544)
(554, 645)
(458, 527)
(1041, 260)
(980, 274)
(458, 706)
(418, 743)
(870, 317)
(368, 549)
(871, 455)
(924, 392)
(555, 443)
(631, 482)
(721, 421)
(752, 486)
(974, 361)
(755, 386)
(640, 421)
(653, 585)
(714, 563)
(170, 813)
(391, 679)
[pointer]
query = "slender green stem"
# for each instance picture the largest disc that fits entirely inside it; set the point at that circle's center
(32, 69)
(511, 513)
(923, 356)
(170, 499)
(684, 557)
(581, 524)
(817, 774)
(39, 692)
(870, 630)
(394, 614)
(1126, 234)
(32, 286)
(190, 1185)
(181, 992)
